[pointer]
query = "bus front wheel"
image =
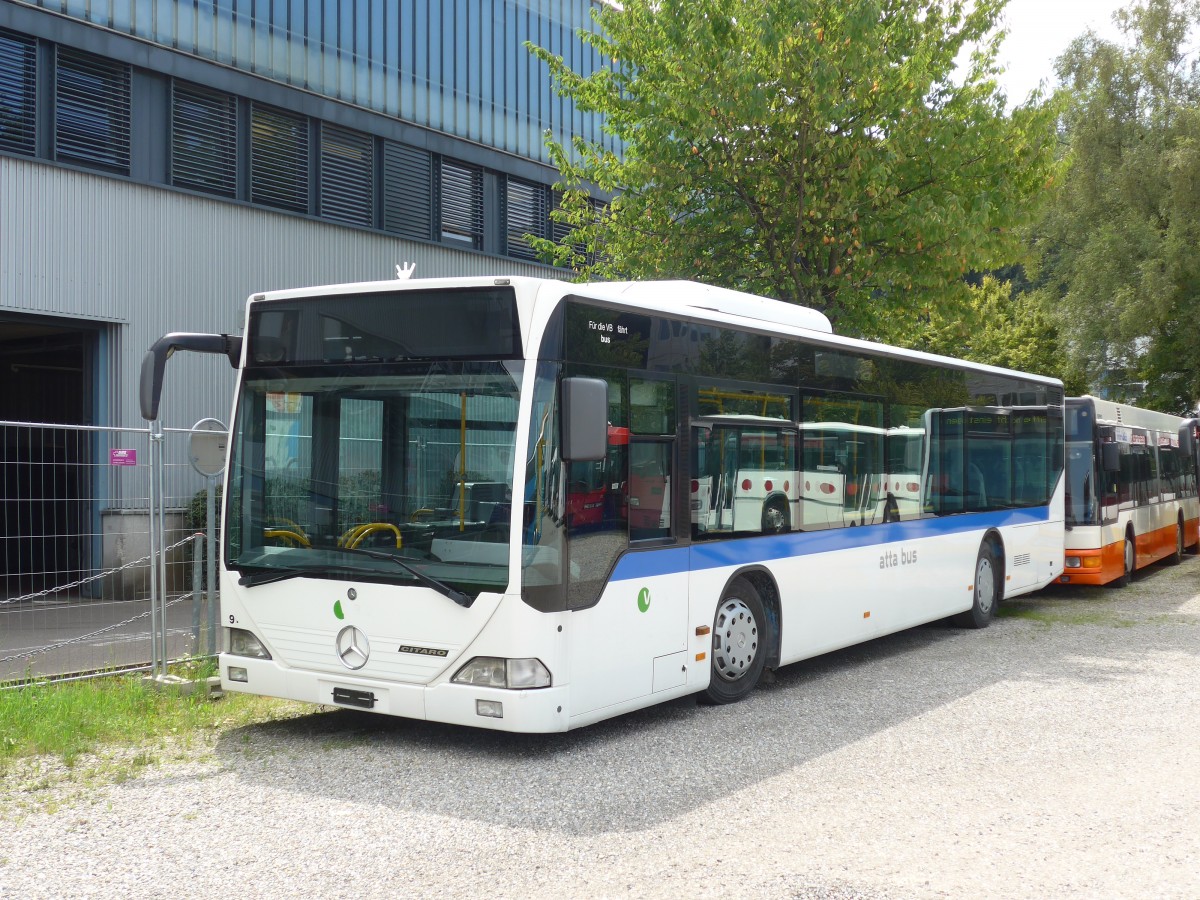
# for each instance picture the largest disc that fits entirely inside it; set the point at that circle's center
(1177, 557)
(986, 590)
(1130, 562)
(739, 648)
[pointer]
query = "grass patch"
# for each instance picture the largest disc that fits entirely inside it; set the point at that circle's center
(66, 720)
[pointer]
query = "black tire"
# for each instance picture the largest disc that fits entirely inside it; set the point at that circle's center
(775, 519)
(739, 647)
(1130, 556)
(1176, 556)
(987, 591)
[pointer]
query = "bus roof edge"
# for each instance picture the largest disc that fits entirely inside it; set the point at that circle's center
(696, 295)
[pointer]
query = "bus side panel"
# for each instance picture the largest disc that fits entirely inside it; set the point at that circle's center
(834, 600)
(634, 636)
(1191, 521)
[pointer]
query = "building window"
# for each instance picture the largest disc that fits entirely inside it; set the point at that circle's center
(461, 204)
(347, 176)
(526, 212)
(559, 231)
(278, 159)
(203, 140)
(18, 57)
(92, 111)
(407, 191)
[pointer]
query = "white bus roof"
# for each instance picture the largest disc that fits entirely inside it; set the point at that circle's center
(1111, 413)
(694, 295)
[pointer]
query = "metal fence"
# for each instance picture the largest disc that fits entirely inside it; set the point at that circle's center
(104, 548)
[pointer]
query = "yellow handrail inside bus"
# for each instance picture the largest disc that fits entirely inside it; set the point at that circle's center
(360, 533)
(294, 538)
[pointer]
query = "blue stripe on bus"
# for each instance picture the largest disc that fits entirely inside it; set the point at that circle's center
(761, 548)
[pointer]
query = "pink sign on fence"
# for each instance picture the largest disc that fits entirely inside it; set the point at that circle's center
(122, 457)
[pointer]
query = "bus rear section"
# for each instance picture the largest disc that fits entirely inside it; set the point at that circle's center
(1131, 490)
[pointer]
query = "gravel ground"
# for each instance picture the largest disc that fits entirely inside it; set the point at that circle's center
(1054, 754)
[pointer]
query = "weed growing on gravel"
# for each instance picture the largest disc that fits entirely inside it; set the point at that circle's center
(67, 719)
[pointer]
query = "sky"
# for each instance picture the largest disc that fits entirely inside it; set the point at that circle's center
(1039, 31)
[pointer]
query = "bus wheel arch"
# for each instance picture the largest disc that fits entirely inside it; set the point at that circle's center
(987, 583)
(1175, 557)
(745, 636)
(1128, 559)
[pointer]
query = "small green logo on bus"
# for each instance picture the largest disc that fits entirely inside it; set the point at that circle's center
(337, 609)
(644, 599)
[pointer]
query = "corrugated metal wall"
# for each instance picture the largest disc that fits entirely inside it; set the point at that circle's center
(151, 260)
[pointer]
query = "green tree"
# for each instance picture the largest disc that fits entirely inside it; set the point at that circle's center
(1118, 247)
(825, 152)
(1006, 328)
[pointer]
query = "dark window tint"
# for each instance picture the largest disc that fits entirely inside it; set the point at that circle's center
(92, 111)
(387, 327)
(649, 488)
(461, 204)
(407, 191)
(278, 159)
(18, 57)
(203, 140)
(347, 175)
(526, 212)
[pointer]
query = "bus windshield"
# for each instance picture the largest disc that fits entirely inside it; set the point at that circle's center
(339, 472)
(1082, 498)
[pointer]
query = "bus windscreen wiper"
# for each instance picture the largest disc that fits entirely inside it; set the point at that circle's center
(266, 575)
(441, 587)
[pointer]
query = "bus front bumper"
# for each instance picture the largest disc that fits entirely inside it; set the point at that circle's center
(1099, 566)
(531, 711)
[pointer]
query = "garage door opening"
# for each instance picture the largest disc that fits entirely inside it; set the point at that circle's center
(47, 373)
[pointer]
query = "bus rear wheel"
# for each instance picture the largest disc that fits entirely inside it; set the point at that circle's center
(739, 648)
(986, 590)
(775, 518)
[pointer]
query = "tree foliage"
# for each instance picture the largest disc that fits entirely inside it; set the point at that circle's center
(1118, 248)
(1007, 328)
(825, 152)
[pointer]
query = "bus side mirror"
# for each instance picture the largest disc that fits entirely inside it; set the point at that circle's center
(155, 361)
(1110, 457)
(584, 419)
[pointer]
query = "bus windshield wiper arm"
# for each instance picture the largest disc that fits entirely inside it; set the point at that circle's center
(266, 576)
(441, 587)
(280, 573)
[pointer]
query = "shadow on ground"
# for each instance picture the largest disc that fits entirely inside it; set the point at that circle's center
(645, 768)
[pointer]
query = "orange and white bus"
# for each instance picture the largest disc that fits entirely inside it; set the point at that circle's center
(1130, 490)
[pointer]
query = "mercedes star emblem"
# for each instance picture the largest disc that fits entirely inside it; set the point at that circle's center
(353, 648)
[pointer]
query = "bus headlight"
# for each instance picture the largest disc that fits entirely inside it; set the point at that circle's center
(495, 672)
(243, 643)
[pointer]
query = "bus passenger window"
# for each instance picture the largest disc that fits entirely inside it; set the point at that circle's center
(649, 489)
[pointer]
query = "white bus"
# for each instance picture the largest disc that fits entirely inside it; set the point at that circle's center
(384, 559)
(1130, 490)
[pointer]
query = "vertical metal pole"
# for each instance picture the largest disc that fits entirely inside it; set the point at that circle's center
(211, 559)
(197, 592)
(162, 551)
(152, 519)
